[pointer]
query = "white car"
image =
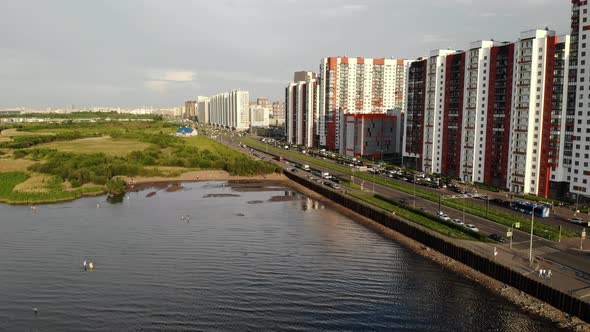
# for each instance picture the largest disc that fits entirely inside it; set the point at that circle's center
(458, 221)
(577, 221)
(472, 227)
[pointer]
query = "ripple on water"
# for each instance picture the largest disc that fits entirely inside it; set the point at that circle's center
(290, 265)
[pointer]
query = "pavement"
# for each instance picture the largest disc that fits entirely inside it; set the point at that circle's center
(569, 265)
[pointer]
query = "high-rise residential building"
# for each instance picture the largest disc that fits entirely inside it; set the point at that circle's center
(301, 113)
(230, 110)
(424, 118)
(203, 109)
(357, 85)
(190, 110)
(262, 101)
(278, 110)
(579, 120)
(491, 114)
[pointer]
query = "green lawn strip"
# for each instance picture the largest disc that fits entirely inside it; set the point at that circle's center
(501, 217)
(417, 218)
(56, 193)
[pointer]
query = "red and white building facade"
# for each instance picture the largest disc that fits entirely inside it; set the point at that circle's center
(579, 176)
(357, 85)
(492, 114)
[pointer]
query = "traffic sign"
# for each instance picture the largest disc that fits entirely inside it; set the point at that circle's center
(509, 234)
(517, 225)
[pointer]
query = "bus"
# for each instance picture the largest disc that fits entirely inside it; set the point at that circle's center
(541, 210)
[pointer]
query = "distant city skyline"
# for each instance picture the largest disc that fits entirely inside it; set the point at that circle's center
(156, 53)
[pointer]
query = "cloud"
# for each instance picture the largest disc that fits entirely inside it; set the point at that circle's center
(430, 39)
(173, 76)
(157, 86)
(488, 14)
(161, 80)
(240, 77)
(343, 10)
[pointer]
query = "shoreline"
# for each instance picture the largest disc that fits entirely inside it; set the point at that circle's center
(529, 304)
(138, 183)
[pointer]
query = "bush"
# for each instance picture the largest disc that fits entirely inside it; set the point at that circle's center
(116, 186)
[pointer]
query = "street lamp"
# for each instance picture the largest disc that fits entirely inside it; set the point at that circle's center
(532, 223)
(514, 225)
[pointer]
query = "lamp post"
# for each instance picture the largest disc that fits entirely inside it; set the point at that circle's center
(532, 225)
(374, 171)
(414, 181)
(514, 225)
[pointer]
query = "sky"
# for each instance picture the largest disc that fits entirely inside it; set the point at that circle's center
(159, 53)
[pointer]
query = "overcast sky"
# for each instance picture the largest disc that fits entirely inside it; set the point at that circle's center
(132, 53)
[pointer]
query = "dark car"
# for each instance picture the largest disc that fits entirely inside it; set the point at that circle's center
(497, 237)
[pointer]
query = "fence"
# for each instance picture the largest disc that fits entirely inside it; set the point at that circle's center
(562, 301)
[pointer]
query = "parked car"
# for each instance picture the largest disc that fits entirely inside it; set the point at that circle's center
(497, 237)
(472, 227)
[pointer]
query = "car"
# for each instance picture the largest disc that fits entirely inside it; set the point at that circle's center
(458, 221)
(576, 221)
(497, 237)
(472, 227)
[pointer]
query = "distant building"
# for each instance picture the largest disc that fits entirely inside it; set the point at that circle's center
(259, 116)
(230, 110)
(203, 109)
(301, 113)
(190, 109)
(278, 110)
(262, 101)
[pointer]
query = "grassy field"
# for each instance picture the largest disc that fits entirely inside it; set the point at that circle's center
(13, 132)
(104, 144)
(37, 183)
(52, 162)
(14, 165)
(9, 180)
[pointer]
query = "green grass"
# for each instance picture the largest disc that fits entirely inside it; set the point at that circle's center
(9, 180)
(104, 144)
(418, 218)
(501, 217)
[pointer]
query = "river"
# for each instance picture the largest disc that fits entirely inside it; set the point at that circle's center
(243, 260)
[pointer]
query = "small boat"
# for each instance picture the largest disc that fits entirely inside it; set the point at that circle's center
(91, 265)
(85, 264)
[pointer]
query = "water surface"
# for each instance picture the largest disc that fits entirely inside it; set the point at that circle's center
(244, 260)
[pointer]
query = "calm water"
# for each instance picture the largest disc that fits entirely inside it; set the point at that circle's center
(241, 263)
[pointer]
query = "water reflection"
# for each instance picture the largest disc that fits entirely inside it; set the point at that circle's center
(235, 266)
